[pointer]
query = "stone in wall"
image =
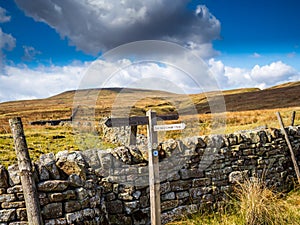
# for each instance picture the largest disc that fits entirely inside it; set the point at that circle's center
(3, 177)
(71, 163)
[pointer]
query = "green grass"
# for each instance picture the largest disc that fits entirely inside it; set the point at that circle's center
(45, 139)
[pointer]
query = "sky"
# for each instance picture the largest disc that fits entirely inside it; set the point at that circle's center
(48, 46)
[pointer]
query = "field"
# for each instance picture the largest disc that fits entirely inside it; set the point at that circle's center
(245, 109)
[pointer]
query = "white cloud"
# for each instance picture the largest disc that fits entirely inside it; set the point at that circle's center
(95, 26)
(21, 82)
(272, 73)
(259, 76)
(3, 17)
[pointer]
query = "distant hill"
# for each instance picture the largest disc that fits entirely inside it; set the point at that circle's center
(139, 100)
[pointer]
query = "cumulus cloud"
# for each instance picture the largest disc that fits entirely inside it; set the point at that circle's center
(21, 82)
(259, 76)
(95, 26)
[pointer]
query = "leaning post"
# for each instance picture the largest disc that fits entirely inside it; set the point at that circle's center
(26, 173)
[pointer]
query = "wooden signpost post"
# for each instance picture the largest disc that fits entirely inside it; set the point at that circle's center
(153, 161)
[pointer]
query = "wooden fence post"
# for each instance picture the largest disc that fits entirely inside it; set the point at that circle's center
(154, 181)
(296, 167)
(26, 173)
(293, 118)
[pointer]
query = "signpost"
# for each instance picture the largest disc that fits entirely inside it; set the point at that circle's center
(153, 161)
(134, 121)
(179, 126)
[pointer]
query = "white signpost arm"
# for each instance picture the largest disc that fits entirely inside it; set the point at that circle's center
(154, 181)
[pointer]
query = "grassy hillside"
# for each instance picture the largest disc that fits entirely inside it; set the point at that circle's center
(245, 109)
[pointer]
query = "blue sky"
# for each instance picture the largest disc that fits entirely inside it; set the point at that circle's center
(46, 46)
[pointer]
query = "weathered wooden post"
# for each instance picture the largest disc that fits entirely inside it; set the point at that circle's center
(133, 133)
(153, 165)
(26, 173)
(296, 167)
(293, 118)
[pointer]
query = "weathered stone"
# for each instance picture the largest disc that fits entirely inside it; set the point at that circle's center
(9, 205)
(7, 215)
(81, 193)
(48, 161)
(191, 173)
(58, 197)
(182, 194)
(52, 211)
(22, 214)
(144, 202)
(137, 156)
(53, 185)
(14, 175)
(2, 191)
(7, 198)
(43, 173)
(167, 205)
(130, 207)
(237, 176)
(85, 202)
(20, 196)
(74, 217)
(71, 163)
(180, 185)
(120, 219)
(59, 221)
(15, 189)
(72, 206)
(136, 194)
(201, 182)
(125, 196)
(114, 207)
(123, 154)
(165, 187)
(75, 180)
(3, 177)
(110, 197)
(106, 186)
(168, 196)
(196, 192)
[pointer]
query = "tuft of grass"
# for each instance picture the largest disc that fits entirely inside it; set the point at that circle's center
(252, 203)
(260, 205)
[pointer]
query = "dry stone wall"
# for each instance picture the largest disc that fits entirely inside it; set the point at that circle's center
(109, 187)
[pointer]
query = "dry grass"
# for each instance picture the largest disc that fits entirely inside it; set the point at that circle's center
(253, 204)
(260, 205)
(246, 109)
